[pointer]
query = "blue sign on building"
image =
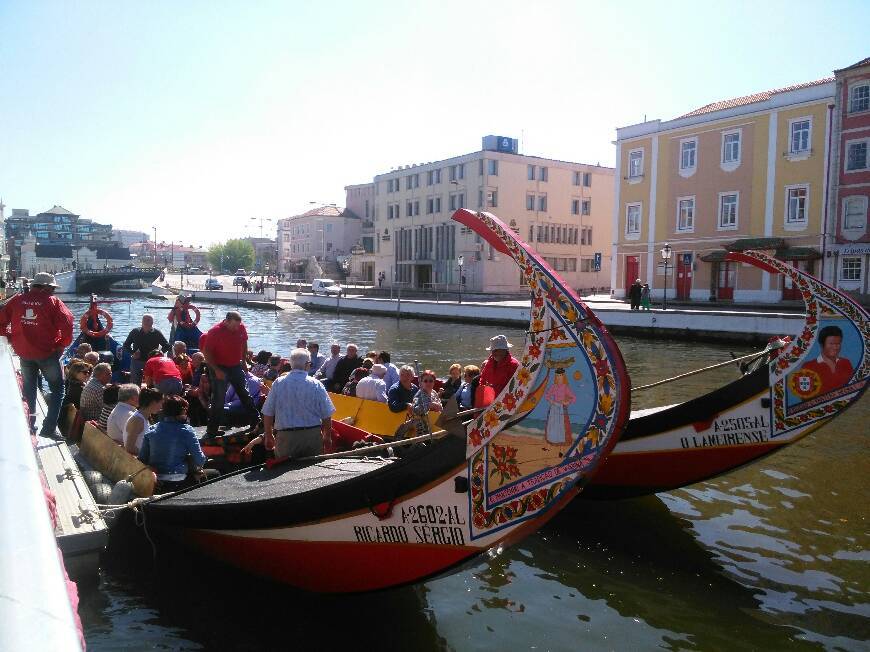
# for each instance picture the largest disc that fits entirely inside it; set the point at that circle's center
(596, 264)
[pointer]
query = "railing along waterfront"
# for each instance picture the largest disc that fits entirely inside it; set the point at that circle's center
(35, 611)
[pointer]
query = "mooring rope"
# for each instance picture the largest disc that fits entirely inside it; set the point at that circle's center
(778, 344)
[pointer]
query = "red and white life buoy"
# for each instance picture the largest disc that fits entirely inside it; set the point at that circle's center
(96, 314)
(188, 322)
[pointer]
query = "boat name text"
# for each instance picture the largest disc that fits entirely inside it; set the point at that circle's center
(439, 535)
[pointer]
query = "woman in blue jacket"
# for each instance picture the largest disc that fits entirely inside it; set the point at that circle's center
(168, 444)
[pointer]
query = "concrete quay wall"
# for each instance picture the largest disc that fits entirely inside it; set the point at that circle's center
(706, 325)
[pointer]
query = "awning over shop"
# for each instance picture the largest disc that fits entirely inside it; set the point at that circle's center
(714, 256)
(756, 243)
(798, 253)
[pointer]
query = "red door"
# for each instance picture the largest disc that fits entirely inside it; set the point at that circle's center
(684, 275)
(632, 271)
(725, 281)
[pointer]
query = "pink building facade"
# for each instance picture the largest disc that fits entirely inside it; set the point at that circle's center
(848, 255)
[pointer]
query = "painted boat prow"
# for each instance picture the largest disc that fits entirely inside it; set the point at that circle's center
(349, 526)
(776, 405)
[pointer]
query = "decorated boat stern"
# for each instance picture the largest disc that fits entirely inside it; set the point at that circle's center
(806, 381)
(344, 524)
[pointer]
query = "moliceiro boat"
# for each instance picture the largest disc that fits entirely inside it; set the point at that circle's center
(345, 523)
(792, 389)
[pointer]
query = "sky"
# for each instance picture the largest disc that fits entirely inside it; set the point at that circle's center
(202, 117)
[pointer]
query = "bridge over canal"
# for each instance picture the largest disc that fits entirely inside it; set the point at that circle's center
(101, 280)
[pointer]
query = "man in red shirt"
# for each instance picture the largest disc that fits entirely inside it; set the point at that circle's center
(224, 347)
(499, 367)
(163, 374)
(39, 327)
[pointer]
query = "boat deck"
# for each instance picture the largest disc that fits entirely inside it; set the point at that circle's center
(81, 531)
(282, 480)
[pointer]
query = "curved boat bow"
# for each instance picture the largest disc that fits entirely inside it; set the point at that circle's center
(801, 387)
(346, 525)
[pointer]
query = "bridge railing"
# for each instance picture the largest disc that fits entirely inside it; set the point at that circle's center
(106, 271)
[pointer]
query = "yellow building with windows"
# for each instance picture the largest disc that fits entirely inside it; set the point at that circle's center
(749, 172)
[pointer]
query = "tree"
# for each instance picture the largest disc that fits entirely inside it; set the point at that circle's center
(231, 255)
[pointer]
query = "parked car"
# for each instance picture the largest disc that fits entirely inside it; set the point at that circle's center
(213, 284)
(241, 272)
(239, 280)
(325, 286)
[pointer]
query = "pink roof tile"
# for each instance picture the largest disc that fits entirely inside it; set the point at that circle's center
(751, 99)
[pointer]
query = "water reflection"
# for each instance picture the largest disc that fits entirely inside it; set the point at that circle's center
(769, 556)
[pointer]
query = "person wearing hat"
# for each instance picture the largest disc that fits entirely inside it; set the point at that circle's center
(373, 387)
(39, 327)
(499, 367)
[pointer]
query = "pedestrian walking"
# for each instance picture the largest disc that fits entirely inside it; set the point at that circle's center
(644, 297)
(634, 294)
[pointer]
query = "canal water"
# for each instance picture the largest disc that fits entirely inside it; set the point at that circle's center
(771, 556)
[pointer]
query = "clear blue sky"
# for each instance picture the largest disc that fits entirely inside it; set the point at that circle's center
(198, 115)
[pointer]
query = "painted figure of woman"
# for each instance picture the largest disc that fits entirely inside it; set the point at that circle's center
(559, 396)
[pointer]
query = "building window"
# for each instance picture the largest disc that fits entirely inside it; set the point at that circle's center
(433, 177)
(542, 174)
(728, 210)
(457, 172)
(576, 178)
(635, 163)
(417, 207)
(461, 200)
(632, 219)
(686, 214)
(430, 206)
(492, 167)
(856, 155)
(859, 98)
(480, 198)
(409, 209)
(542, 203)
(540, 233)
(587, 179)
(689, 154)
(855, 213)
(531, 233)
(530, 202)
(800, 136)
(492, 198)
(796, 205)
(587, 206)
(731, 147)
(850, 268)
(438, 204)
(530, 172)
(575, 207)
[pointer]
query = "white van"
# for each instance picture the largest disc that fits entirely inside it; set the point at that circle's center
(325, 286)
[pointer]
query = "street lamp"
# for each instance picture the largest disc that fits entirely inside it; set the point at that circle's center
(666, 256)
(461, 261)
(155, 244)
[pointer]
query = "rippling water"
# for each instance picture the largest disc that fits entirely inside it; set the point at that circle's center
(772, 556)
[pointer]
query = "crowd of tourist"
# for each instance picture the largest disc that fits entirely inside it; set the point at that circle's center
(151, 409)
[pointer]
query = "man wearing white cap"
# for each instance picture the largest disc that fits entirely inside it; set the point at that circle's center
(373, 387)
(500, 366)
(41, 328)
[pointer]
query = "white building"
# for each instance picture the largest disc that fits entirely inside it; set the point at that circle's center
(562, 209)
(326, 233)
